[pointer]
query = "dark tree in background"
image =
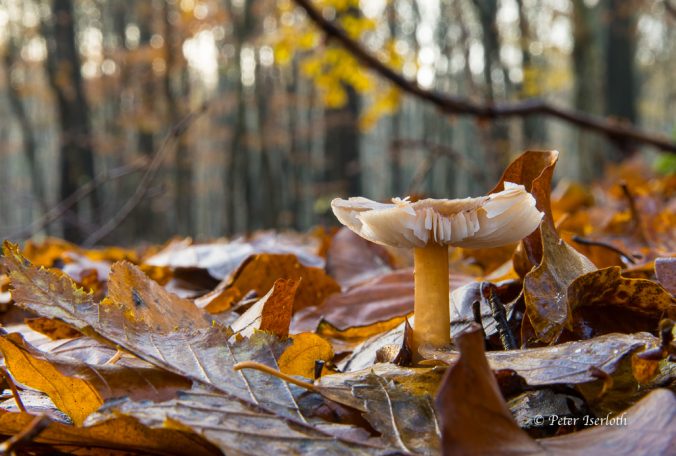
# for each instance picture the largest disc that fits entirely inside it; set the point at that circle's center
(620, 81)
(76, 146)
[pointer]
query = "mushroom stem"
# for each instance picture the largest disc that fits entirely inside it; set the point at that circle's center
(432, 324)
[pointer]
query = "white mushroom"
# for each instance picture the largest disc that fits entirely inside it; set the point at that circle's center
(429, 226)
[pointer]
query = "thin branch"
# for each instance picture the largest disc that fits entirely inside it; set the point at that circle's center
(12, 386)
(462, 106)
(628, 257)
(170, 139)
(27, 435)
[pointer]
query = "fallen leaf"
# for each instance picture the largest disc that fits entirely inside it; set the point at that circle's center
(567, 363)
(603, 301)
(121, 433)
(534, 170)
(79, 389)
(232, 426)
(406, 421)
(54, 329)
(474, 418)
(649, 427)
(378, 300)
(259, 273)
(272, 312)
(299, 358)
(172, 333)
(545, 287)
(665, 272)
(351, 259)
(222, 258)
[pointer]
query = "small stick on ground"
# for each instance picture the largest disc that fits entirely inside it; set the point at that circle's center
(627, 256)
(27, 435)
(275, 373)
(12, 386)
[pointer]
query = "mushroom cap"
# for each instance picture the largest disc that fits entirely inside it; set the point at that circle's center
(487, 221)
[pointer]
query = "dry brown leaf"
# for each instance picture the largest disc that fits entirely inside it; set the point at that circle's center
(259, 272)
(351, 259)
(648, 428)
(534, 170)
(272, 312)
(171, 332)
(665, 272)
(476, 420)
(545, 287)
(603, 301)
(119, 433)
(379, 300)
(474, 417)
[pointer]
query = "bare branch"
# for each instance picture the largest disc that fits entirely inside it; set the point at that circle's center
(170, 139)
(461, 106)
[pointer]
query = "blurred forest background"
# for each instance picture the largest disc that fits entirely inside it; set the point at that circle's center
(126, 121)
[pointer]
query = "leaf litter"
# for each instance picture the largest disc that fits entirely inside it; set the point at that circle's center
(114, 359)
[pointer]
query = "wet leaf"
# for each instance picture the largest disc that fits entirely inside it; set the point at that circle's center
(569, 362)
(259, 273)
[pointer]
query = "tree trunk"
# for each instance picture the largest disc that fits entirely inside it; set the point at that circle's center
(27, 132)
(183, 163)
(76, 148)
(586, 58)
(620, 80)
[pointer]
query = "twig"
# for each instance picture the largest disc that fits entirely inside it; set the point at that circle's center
(61, 208)
(605, 245)
(12, 386)
(275, 373)
(174, 134)
(30, 432)
(459, 105)
(500, 317)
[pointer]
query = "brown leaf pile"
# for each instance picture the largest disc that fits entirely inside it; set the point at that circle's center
(299, 344)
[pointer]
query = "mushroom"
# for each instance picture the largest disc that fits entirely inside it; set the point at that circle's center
(429, 226)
